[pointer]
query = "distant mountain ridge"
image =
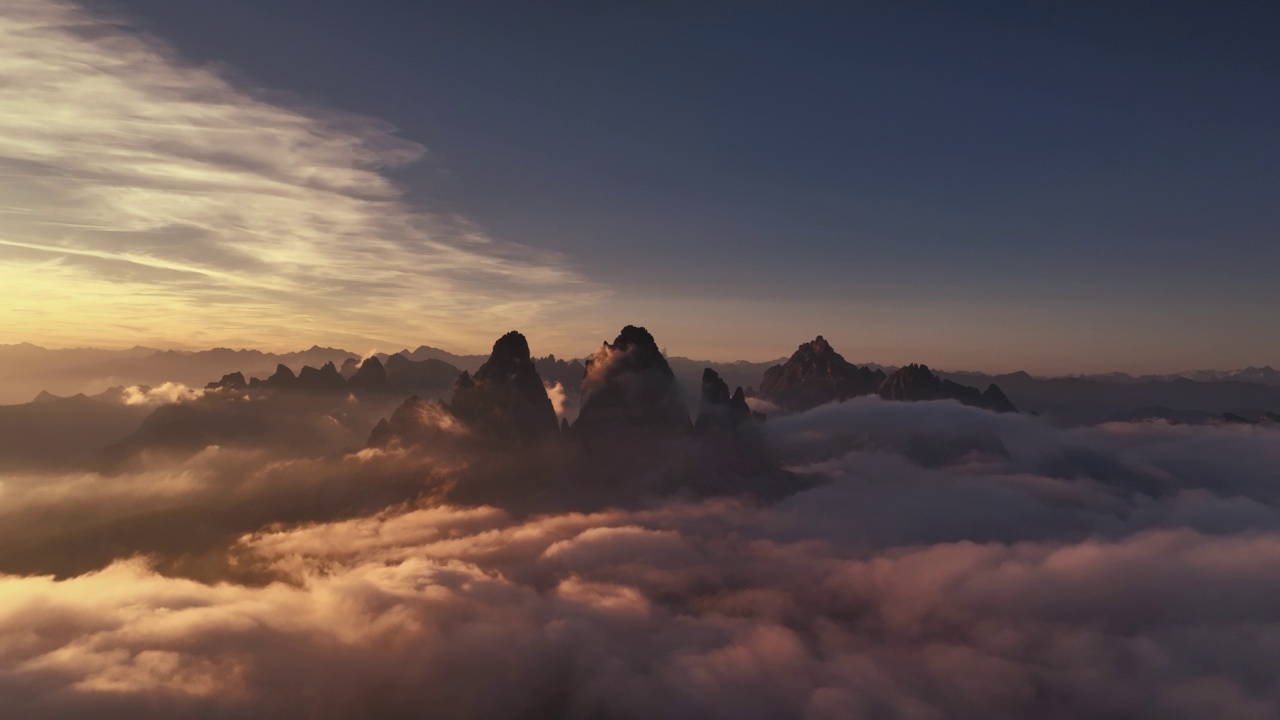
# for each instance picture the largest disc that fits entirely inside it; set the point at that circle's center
(1082, 401)
(1265, 375)
(816, 374)
(27, 369)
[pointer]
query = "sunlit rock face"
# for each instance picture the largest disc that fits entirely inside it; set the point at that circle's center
(917, 382)
(506, 399)
(814, 375)
(630, 386)
(420, 422)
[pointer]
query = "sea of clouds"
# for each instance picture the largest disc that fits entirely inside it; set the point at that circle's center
(954, 563)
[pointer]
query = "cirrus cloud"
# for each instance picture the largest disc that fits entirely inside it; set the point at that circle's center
(149, 198)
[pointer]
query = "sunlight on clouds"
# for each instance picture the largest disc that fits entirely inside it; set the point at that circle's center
(148, 198)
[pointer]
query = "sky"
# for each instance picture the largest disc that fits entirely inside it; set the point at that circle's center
(1070, 187)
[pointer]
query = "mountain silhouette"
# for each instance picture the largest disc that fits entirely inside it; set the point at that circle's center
(917, 382)
(506, 398)
(629, 385)
(814, 375)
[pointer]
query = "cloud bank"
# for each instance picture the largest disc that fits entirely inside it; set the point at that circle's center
(957, 564)
(148, 198)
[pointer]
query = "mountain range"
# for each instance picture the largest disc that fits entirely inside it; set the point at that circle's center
(1085, 399)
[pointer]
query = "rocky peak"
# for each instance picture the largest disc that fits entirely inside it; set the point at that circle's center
(629, 385)
(916, 382)
(816, 374)
(326, 379)
(714, 390)
(718, 408)
(282, 378)
(994, 399)
(911, 382)
(349, 368)
(419, 422)
(230, 381)
(371, 376)
(510, 361)
(506, 397)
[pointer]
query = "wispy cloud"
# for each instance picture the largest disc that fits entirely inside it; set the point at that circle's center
(146, 197)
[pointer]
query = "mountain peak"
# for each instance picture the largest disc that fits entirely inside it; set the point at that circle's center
(916, 382)
(629, 384)
(506, 396)
(816, 374)
(510, 357)
(371, 375)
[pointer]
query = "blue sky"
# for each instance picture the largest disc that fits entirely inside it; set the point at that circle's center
(1070, 187)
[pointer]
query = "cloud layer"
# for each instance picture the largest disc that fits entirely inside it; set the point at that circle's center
(151, 199)
(958, 564)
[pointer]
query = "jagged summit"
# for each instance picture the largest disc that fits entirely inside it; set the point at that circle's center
(916, 382)
(629, 385)
(326, 379)
(816, 374)
(510, 361)
(371, 376)
(718, 408)
(633, 438)
(506, 397)
(282, 378)
(230, 381)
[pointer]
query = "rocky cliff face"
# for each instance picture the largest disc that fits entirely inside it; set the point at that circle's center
(729, 453)
(629, 386)
(506, 398)
(814, 375)
(720, 411)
